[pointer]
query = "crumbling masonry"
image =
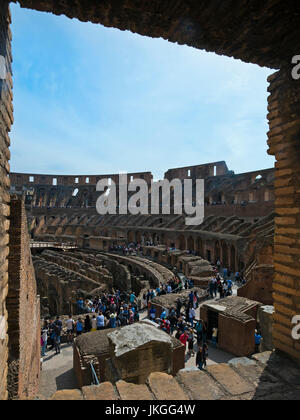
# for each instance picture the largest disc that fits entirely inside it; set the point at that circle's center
(264, 33)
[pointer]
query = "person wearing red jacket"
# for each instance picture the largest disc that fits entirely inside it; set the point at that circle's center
(184, 338)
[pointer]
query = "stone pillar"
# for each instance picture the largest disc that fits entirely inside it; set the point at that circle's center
(284, 144)
(6, 120)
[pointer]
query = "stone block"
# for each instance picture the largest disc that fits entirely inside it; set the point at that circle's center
(103, 392)
(130, 391)
(67, 394)
(165, 387)
(199, 385)
(233, 383)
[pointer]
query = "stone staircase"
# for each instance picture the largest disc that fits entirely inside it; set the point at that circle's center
(265, 376)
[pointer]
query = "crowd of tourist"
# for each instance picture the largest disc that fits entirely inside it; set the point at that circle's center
(222, 280)
(130, 249)
(111, 310)
(118, 309)
(180, 321)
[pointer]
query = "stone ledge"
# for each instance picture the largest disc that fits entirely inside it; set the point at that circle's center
(130, 391)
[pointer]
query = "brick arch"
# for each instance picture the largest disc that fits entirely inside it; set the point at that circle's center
(181, 243)
(214, 26)
(191, 244)
(225, 259)
(217, 251)
(138, 236)
(199, 247)
(198, 24)
(131, 236)
(233, 258)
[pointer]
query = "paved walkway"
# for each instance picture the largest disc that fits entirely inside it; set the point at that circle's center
(57, 371)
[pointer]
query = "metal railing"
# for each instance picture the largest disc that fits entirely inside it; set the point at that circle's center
(95, 380)
(67, 245)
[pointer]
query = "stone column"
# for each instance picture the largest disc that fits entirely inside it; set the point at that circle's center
(284, 144)
(6, 120)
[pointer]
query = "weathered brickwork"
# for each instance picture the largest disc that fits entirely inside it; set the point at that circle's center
(23, 307)
(6, 120)
(256, 34)
(284, 134)
(225, 191)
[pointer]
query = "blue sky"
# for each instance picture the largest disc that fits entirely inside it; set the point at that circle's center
(94, 100)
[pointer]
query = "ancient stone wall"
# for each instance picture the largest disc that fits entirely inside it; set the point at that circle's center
(259, 285)
(20, 179)
(214, 26)
(6, 120)
(198, 171)
(222, 188)
(255, 34)
(23, 306)
(284, 123)
(236, 336)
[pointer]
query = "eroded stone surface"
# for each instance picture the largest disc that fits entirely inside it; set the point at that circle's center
(104, 391)
(134, 336)
(199, 385)
(129, 391)
(165, 387)
(233, 383)
(68, 394)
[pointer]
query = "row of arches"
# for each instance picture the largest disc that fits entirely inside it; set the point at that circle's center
(208, 248)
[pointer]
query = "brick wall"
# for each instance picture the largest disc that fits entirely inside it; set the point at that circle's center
(5, 124)
(259, 286)
(23, 307)
(236, 337)
(284, 135)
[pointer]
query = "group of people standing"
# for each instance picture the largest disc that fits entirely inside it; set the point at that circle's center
(129, 249)
(51, 335)
(181, 320)
(221, 282)
(187, 338)
(109, 311)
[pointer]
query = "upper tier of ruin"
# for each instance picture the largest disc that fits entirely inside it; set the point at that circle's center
(222, 186)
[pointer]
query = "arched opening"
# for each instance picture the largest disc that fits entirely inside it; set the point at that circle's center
(182, 243)
(146, 237)
(208, 255)
(138, 237)
(232, 258)
(199, 247)
(130, 236)
(224, 254)
(191, 244)
(217, 251)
